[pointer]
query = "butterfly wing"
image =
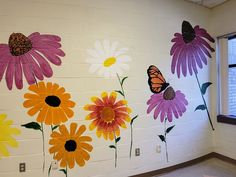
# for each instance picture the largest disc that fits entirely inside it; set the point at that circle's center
(156, 81)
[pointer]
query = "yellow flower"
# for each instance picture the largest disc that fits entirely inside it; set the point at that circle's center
(107, 115)
(51, 101)
(6, 132)
(70, 147)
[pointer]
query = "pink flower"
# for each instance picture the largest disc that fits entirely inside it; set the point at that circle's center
(167, 104)
(190, 49)
(29, 56)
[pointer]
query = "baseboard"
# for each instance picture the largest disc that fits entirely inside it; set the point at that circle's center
(186, 164)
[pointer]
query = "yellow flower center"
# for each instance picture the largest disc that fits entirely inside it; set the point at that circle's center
(109, 61)
(107, 114)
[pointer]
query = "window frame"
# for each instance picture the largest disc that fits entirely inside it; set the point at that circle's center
(223, 118)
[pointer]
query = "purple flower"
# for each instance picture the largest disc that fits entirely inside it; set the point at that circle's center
(167, 104)
(190, 49)
(29, 56)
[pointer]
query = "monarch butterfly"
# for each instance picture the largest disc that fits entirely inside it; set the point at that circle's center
(156, 81)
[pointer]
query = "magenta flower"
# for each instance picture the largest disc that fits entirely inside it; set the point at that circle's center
(29, 56)
(190, 49)
(167, 104)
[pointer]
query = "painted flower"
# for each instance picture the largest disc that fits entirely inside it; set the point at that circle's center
(190, 49)
(107, 60)
(29, 56)
(108, 115)
(167, 104)
(50, 101)
(70, 147)
(6, 135)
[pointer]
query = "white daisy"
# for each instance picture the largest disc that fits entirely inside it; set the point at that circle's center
(106, 60)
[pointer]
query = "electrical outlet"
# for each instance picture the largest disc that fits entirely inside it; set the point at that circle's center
(54, 165)
(22, 167)
(158, 149)
(137, 152)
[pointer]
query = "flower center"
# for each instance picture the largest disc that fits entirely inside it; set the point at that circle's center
(19, 44)
(107, 114)
(109, 61)
(188, 32)
(169, 94)
(53, 101)
(70, 145)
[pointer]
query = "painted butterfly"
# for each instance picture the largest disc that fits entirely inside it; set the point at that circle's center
(156, 81)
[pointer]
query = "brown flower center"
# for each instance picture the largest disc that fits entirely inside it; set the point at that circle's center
(53, 101)
(19, 44)
(188, 32)
(169, 94)
(70, 145)
(107, 114)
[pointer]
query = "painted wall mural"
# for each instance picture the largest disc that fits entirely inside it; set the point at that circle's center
(108, 61)
(29, 56)
(51, 104)
(107, 116)
(189, 53)
(7, 133)
(70, 147)
(165, 102)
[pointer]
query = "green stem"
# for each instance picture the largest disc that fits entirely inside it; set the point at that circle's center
(115, 151)
(209, 118)
(131, 141)
(121, 86)
(66, 172)
(43, 147)
(167, 159)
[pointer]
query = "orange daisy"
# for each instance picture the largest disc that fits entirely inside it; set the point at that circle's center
(70, 147)
(108, 115)
(50, 101)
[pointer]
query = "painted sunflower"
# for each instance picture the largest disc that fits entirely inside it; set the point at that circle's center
(107, 60)
(6, 135)
(29, 56)
(190, 49)
(107, 115)
(70, 147)
(51, 102)
(167, 104)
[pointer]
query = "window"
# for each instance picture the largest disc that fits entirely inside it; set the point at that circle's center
(227, 79)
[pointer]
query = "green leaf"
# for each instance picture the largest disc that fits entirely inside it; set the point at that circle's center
(32, 125)
(162, 138)
(132, 120)
(112, 146)
(63, 170)
(118, 139)
(204, 87)
(55, 127)
(122, 82)
(49, 170)
(120, 92)
(169, 129)
(200, 107)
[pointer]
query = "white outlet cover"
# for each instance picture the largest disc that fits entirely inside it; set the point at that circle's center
(54, 165)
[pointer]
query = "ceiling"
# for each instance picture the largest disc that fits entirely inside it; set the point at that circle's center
(208, 3)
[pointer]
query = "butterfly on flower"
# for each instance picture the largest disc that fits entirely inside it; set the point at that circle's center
(156, 81)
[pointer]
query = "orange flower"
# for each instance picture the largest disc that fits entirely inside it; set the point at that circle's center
(70, 147)
(51, 101)
(108, 115)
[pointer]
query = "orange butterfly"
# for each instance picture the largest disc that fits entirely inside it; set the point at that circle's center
(156, 80)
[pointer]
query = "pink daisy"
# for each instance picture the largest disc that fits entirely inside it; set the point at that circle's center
(29, 56)
(190, 49)
(167, 104)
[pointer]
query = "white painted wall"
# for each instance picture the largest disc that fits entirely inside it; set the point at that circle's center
(146, 27)
(222, 23)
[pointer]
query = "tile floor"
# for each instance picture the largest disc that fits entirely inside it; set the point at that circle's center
(209, 168)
